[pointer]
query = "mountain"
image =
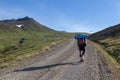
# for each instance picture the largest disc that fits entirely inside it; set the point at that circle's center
(110, 39)
(24, 38)
(25, 23)
(110, 32)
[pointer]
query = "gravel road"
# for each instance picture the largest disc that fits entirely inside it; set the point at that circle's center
(62, 63)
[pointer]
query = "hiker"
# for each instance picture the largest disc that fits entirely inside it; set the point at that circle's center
(21, 41)
(81, 42)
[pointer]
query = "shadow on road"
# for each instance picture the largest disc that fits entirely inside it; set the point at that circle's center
(48, 66)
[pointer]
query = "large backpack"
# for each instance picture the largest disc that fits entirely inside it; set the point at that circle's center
(81, 42)
(80, 36)
(82, 39)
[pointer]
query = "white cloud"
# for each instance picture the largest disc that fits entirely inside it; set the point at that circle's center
(64, 23)
(76, 27)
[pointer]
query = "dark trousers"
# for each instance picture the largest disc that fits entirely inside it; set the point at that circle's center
(82, 50)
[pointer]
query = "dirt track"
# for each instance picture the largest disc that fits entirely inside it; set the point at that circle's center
(62, 63)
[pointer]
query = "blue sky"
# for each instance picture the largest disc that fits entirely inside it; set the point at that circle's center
(65, 15)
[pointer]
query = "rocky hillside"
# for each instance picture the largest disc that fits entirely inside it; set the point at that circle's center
(110, 39)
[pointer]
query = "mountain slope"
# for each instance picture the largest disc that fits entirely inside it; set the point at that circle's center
(110, 39)
(113, 31)
(25, 23)
(21, 38)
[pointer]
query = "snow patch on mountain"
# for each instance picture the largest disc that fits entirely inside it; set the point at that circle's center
(19, 25)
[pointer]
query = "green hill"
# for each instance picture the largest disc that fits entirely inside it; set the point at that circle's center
(22, 37)
(110, 39)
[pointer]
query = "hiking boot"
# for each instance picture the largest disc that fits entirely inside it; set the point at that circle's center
(81, 60)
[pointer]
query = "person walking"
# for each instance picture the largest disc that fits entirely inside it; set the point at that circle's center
(81, 42)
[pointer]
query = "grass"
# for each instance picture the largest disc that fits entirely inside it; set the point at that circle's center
(112, 46)
(112, 62)
(11, 50)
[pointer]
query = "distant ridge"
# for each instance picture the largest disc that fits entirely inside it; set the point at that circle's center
(25, 18)
(113, 31)
(26, 24)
